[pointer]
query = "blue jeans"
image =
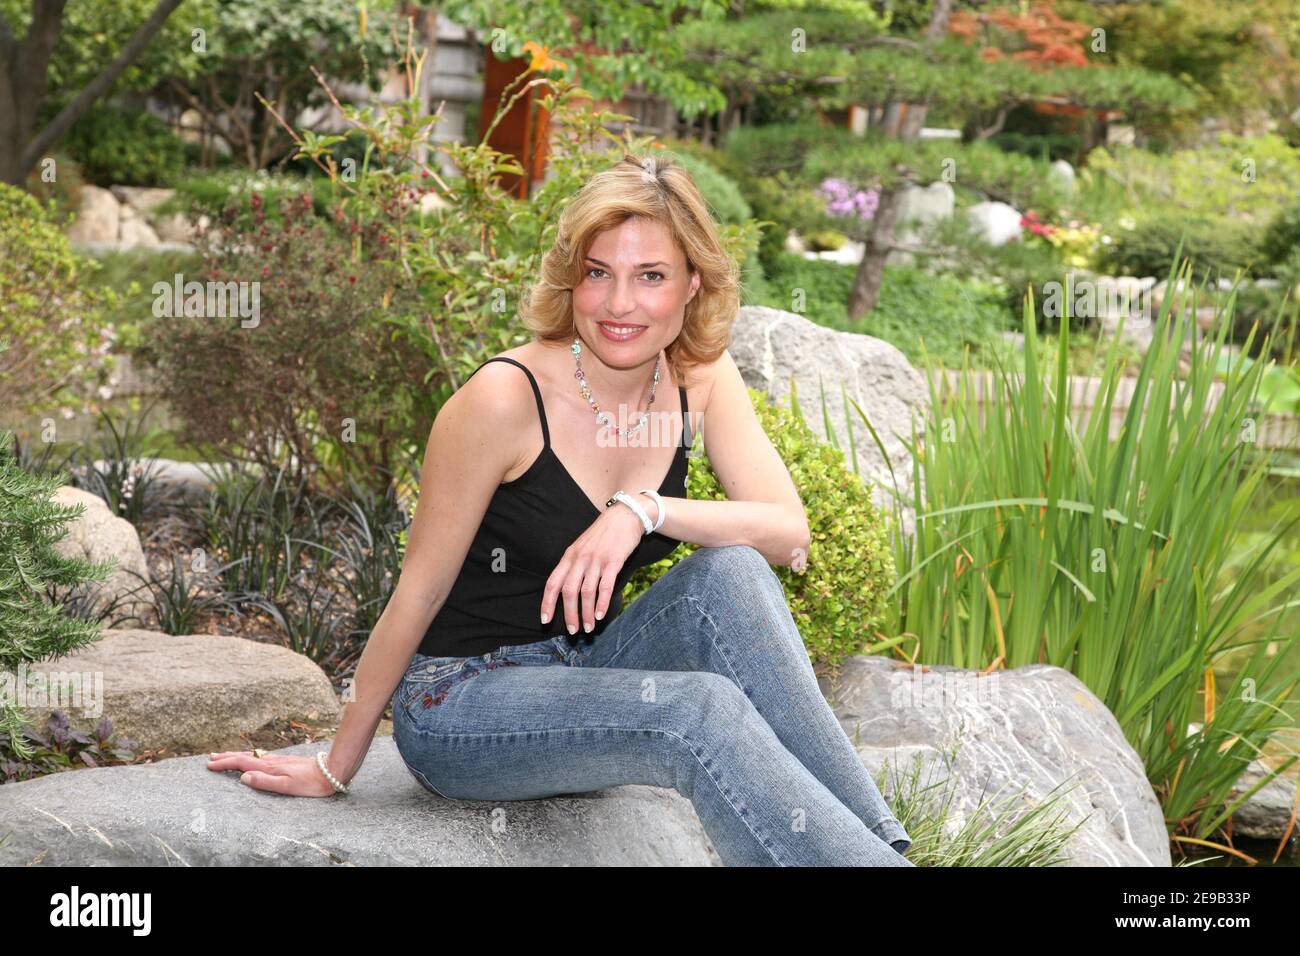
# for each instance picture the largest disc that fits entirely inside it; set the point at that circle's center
(702, 684)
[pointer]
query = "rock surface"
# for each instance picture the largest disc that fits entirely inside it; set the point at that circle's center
(99, 535)
(770, 346)
(190, 693)
(1266, 814)
(996, 222)
(1029, 729)
(178, 812)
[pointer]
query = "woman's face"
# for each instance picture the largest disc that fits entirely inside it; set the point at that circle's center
(632, 298)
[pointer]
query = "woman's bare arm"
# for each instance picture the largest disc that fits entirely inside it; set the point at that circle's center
(470, 450)
(763, 509)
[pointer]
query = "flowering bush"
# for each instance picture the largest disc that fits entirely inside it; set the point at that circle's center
(1076, 242)
(842, 199)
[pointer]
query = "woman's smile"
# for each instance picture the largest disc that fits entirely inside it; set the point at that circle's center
(620, 332)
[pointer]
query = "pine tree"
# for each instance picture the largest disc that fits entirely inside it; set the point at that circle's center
(32, 626)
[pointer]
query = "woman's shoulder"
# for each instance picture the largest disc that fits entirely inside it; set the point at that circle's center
(703, 379)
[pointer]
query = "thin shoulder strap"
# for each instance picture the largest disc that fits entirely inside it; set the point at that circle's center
(686, 418)
(537, 393)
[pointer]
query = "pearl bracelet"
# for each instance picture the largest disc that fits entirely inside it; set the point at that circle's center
(320, 762)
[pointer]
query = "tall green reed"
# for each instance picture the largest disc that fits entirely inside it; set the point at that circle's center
(1038, 540)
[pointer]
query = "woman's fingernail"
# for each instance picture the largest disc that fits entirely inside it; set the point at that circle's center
(572, 629)
(244, 777)
(587, 626)
(545, 617)
(599, 615)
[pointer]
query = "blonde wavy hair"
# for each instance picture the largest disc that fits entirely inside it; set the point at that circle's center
(657, 189)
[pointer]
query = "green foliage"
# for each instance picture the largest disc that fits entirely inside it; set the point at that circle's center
(723, 196)
(33, 628)
(125, 147)
(919, 313)
(94, 33)
(214, 193)
(622, 45)
(1215, 245)
(269, 50)
(1281, 239)
(1248, 178)
(304, 381)
(1022, 181)
(838, 600)
(51, 325)
(1042, 541)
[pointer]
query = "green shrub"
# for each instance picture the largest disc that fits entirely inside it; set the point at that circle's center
(125, 147)
(49, 322)
(723, 195)
(1281, 239)
(1215, 245)
(214, 193)
(33, 628)
(838, 602)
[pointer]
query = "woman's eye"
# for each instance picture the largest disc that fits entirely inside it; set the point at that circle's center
(658, 275)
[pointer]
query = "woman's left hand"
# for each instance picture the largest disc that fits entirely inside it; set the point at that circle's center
(591, 564)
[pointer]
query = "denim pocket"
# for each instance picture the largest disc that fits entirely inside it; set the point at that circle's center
(426, 673)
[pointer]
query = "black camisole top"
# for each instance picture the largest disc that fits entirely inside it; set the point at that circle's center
(496, 599)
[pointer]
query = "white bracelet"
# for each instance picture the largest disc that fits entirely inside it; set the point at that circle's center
(659, 502)
(320, 762)
(627, 499)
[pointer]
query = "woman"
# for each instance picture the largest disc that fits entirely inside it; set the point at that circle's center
(511, 671)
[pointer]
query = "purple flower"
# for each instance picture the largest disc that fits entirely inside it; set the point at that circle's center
(842, 199)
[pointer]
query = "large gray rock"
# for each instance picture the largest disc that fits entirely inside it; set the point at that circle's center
(98, 216)
(190, 693)
(99, 535)
(179, 812)
(770, 347)
(1029, 729)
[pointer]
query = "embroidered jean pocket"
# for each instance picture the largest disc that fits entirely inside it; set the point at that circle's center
(428, 673)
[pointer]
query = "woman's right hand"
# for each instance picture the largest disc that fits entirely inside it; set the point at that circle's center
(588, 571)
(280, 773)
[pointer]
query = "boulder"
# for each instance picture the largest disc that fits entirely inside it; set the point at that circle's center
(178, 812)
(921, 207)
(995, 222)
(99, 535)
(174, 228)
(136, 231)
(98, 216)
(1015, 734)
(771, 347)
(188, 693)
(142, 199)
(1063, 173)
(1266, 814)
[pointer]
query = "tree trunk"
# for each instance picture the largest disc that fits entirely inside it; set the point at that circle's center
(26, 66)
(426, 31)
(871, 272)
(866, 284)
